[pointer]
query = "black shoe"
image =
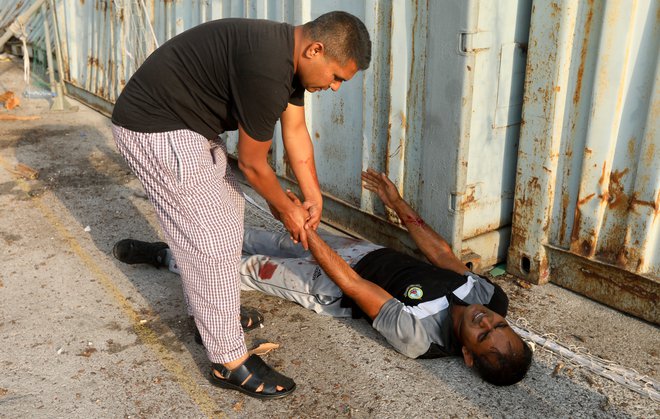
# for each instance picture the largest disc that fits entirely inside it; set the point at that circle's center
(134, 251)
(251, 318)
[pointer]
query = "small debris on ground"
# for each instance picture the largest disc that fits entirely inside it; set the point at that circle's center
(523, 284)
(558, 368)
(263, 348)
(10, 100)
(87, 352)
(498, 270)
(238, 406)
(11, 117)
(25, 171)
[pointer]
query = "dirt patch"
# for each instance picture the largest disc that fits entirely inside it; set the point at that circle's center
(9, 238)
(66, 157)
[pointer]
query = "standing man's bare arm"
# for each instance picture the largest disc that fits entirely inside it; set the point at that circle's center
(434, 247)
(253, 162)
(300, 151)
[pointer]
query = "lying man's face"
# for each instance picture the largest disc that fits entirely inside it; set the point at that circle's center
(485, 333)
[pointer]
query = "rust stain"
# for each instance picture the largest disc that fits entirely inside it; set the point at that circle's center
(618, 286)
(649, 155)
(317, 135)
(587, 246)
(636, 202)
(577, 219)
(623, 256)
(612, 244)
(617, 197)
(585, 199)
(534, 183)
(602, 174)
(564, 210)
(544, 271)
(468, 198)
(555, 9)
(631, 147)
(517, 237)
(557, 88)
(583, 53)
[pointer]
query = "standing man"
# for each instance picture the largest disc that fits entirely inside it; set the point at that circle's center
(224, 75)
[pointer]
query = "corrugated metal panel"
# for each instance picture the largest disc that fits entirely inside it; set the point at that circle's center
(587, 191)
(32, 30)
(444, 90)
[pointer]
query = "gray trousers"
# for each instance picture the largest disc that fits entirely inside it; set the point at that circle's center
(274, 265)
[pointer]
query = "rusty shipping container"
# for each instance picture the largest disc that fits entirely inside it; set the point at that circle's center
(444, 89)
(588, 176)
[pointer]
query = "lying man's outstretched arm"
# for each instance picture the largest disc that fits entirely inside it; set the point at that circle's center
(434, 247)
(367, 295)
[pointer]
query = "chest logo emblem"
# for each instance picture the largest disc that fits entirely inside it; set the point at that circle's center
(414, 292)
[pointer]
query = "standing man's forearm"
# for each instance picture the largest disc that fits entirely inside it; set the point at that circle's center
(252, 160)
(300, 153)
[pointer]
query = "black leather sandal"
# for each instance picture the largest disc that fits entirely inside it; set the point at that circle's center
(251, 318)
(248, 377)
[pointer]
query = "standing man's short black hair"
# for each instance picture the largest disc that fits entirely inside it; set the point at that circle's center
(344, 37)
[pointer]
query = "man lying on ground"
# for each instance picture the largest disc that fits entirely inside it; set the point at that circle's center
(423, 310)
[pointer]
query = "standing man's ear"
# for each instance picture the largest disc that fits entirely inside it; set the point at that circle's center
(314, 49)
(467, 357)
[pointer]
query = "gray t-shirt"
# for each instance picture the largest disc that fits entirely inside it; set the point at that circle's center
(412, 330)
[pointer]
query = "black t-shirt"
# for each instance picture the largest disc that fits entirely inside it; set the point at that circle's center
(213, 76)
(404, 277)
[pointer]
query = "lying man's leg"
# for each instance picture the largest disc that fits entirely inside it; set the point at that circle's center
(278, 267)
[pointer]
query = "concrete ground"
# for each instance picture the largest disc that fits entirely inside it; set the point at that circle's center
(82, 335)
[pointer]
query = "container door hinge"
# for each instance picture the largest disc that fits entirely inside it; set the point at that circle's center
(473, 42)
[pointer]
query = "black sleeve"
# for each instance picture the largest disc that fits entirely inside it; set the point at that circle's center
(259, 93)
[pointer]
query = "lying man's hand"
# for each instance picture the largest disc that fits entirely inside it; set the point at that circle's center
(382, 185)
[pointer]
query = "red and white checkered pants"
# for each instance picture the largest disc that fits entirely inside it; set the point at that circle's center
(200, 208)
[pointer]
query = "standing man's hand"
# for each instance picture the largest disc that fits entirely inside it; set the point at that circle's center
(294, 220)
(383, 186)
(296, 202)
